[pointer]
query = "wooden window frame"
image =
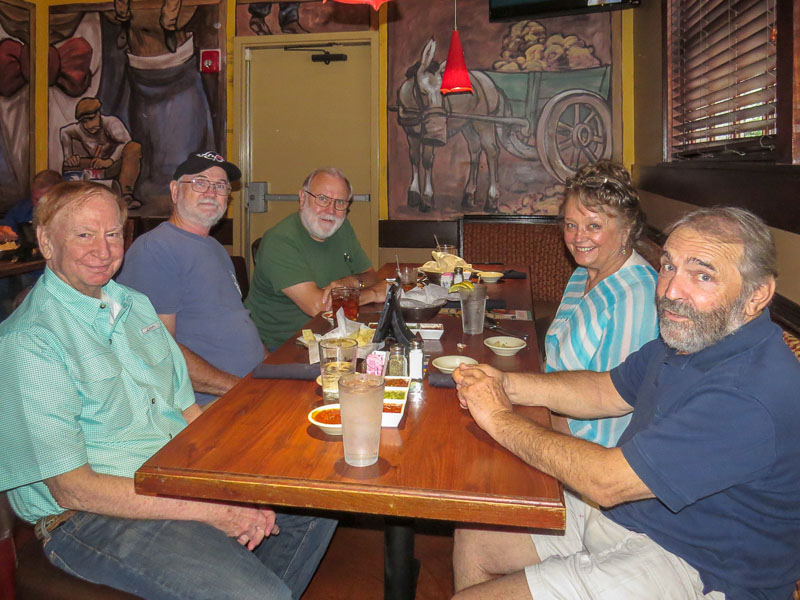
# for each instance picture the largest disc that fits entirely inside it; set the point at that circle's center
(766, 188)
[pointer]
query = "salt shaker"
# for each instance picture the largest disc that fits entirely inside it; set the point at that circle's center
(458, 275)
(415, 357)
(397, 361)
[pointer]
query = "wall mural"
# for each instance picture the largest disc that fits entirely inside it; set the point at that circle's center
(266, 18)
(127, 100)
(15, 102)
(541, 107)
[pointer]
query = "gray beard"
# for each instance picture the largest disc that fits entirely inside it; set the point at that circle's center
(704, 329)
(309, 220)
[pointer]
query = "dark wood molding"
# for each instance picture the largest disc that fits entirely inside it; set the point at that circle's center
(770, 191)
(786, 314)
(416, 234)
(787, 67)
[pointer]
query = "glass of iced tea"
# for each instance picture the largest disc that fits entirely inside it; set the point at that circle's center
(348, 299)
(337, 357)
(361, 403)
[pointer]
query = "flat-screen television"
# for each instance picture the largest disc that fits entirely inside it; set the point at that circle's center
(503, 10)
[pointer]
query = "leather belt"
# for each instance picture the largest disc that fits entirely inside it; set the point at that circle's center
(49, 523)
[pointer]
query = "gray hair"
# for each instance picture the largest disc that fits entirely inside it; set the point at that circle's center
(732, 225)
(333, 172)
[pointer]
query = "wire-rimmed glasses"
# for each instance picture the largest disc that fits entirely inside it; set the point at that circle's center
(201, 185)
(324, 201)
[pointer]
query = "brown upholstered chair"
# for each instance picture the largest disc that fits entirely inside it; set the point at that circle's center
(240, 269)
(26, 574)
(532, 241)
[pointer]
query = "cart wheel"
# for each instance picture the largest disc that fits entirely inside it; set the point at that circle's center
(574, 129)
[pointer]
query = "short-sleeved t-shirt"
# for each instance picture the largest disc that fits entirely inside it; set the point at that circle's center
(192, 277)
(714, 435)
(288, 255)
(79, 389)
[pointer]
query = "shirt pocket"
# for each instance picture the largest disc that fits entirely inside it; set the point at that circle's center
(154, 356)
(97, 378)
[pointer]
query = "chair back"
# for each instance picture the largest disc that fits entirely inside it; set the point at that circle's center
(534, 241)
(254, 249)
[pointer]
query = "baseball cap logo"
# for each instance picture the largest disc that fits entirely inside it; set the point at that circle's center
(212, 156)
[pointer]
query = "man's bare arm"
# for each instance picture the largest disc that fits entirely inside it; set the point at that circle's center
(601, 474)
(86, 490)
(312, 299)
(206, 378)
(577, 394)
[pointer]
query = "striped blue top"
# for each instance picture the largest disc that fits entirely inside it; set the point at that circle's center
(596, 331)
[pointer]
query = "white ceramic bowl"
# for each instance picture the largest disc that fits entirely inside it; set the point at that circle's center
(330, 429)
(448, 364)
(490, 276)
(504, 345)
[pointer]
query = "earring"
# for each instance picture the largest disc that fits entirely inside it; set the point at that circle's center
(623, 251)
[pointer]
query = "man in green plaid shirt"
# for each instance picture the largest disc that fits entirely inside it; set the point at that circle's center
(93, 385)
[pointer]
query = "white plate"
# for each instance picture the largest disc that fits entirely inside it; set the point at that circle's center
(448, 364)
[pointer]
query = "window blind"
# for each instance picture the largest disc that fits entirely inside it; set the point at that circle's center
(721, 85)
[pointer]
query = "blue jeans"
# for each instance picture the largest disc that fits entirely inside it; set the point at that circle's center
(177, 560)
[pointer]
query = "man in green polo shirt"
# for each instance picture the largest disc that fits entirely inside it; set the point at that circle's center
(305, 256)
(93, 385)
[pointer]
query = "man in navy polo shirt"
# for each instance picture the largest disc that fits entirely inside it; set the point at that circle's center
(700, 496)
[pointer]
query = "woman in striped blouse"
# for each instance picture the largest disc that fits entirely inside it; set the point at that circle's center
(608, 307)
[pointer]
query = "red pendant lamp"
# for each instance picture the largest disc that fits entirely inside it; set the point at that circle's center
(375, 4)
(455, 77)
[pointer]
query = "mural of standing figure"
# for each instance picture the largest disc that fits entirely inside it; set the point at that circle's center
(429, 120)
(102, 142)
(170, 9)
(288, 17)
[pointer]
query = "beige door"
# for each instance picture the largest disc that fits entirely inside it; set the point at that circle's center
(299, 114)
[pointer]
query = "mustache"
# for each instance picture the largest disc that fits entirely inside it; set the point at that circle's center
(676, 307)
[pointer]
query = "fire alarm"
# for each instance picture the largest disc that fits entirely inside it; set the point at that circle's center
(210, 61)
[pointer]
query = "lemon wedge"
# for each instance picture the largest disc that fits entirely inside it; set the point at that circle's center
(462, 285)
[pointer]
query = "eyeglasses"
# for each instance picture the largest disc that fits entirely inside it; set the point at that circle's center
(598, 181)
(324, 201)
(201, 186)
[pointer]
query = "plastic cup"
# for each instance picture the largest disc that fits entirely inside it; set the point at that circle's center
(337, 357)
(361, 402)
(347, 298)
(473, 309)
(447, 249)
(408, 277)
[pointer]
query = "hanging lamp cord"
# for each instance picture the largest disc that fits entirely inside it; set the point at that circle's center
(455, 14)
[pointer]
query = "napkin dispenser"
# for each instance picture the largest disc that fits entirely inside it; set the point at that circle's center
(391, 323)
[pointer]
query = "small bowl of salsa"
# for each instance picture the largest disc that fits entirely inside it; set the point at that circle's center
(328, 418)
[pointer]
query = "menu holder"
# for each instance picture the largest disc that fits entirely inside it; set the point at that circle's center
(391, 323)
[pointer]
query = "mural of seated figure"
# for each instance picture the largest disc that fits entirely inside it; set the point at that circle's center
(101, 146)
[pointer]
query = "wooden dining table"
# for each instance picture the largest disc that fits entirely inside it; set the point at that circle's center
(256, 445)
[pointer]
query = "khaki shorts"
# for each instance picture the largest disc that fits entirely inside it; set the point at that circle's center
(596, 559)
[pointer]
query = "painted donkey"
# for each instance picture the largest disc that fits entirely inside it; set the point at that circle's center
(429, 120)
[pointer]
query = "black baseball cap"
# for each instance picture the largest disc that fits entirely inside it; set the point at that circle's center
(197, 162)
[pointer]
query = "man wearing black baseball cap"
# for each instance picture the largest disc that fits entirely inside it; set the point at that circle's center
(190, 279)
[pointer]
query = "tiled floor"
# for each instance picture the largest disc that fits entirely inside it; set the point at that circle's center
(352, 569)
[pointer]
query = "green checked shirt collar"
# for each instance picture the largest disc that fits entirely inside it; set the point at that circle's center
(78, 389)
